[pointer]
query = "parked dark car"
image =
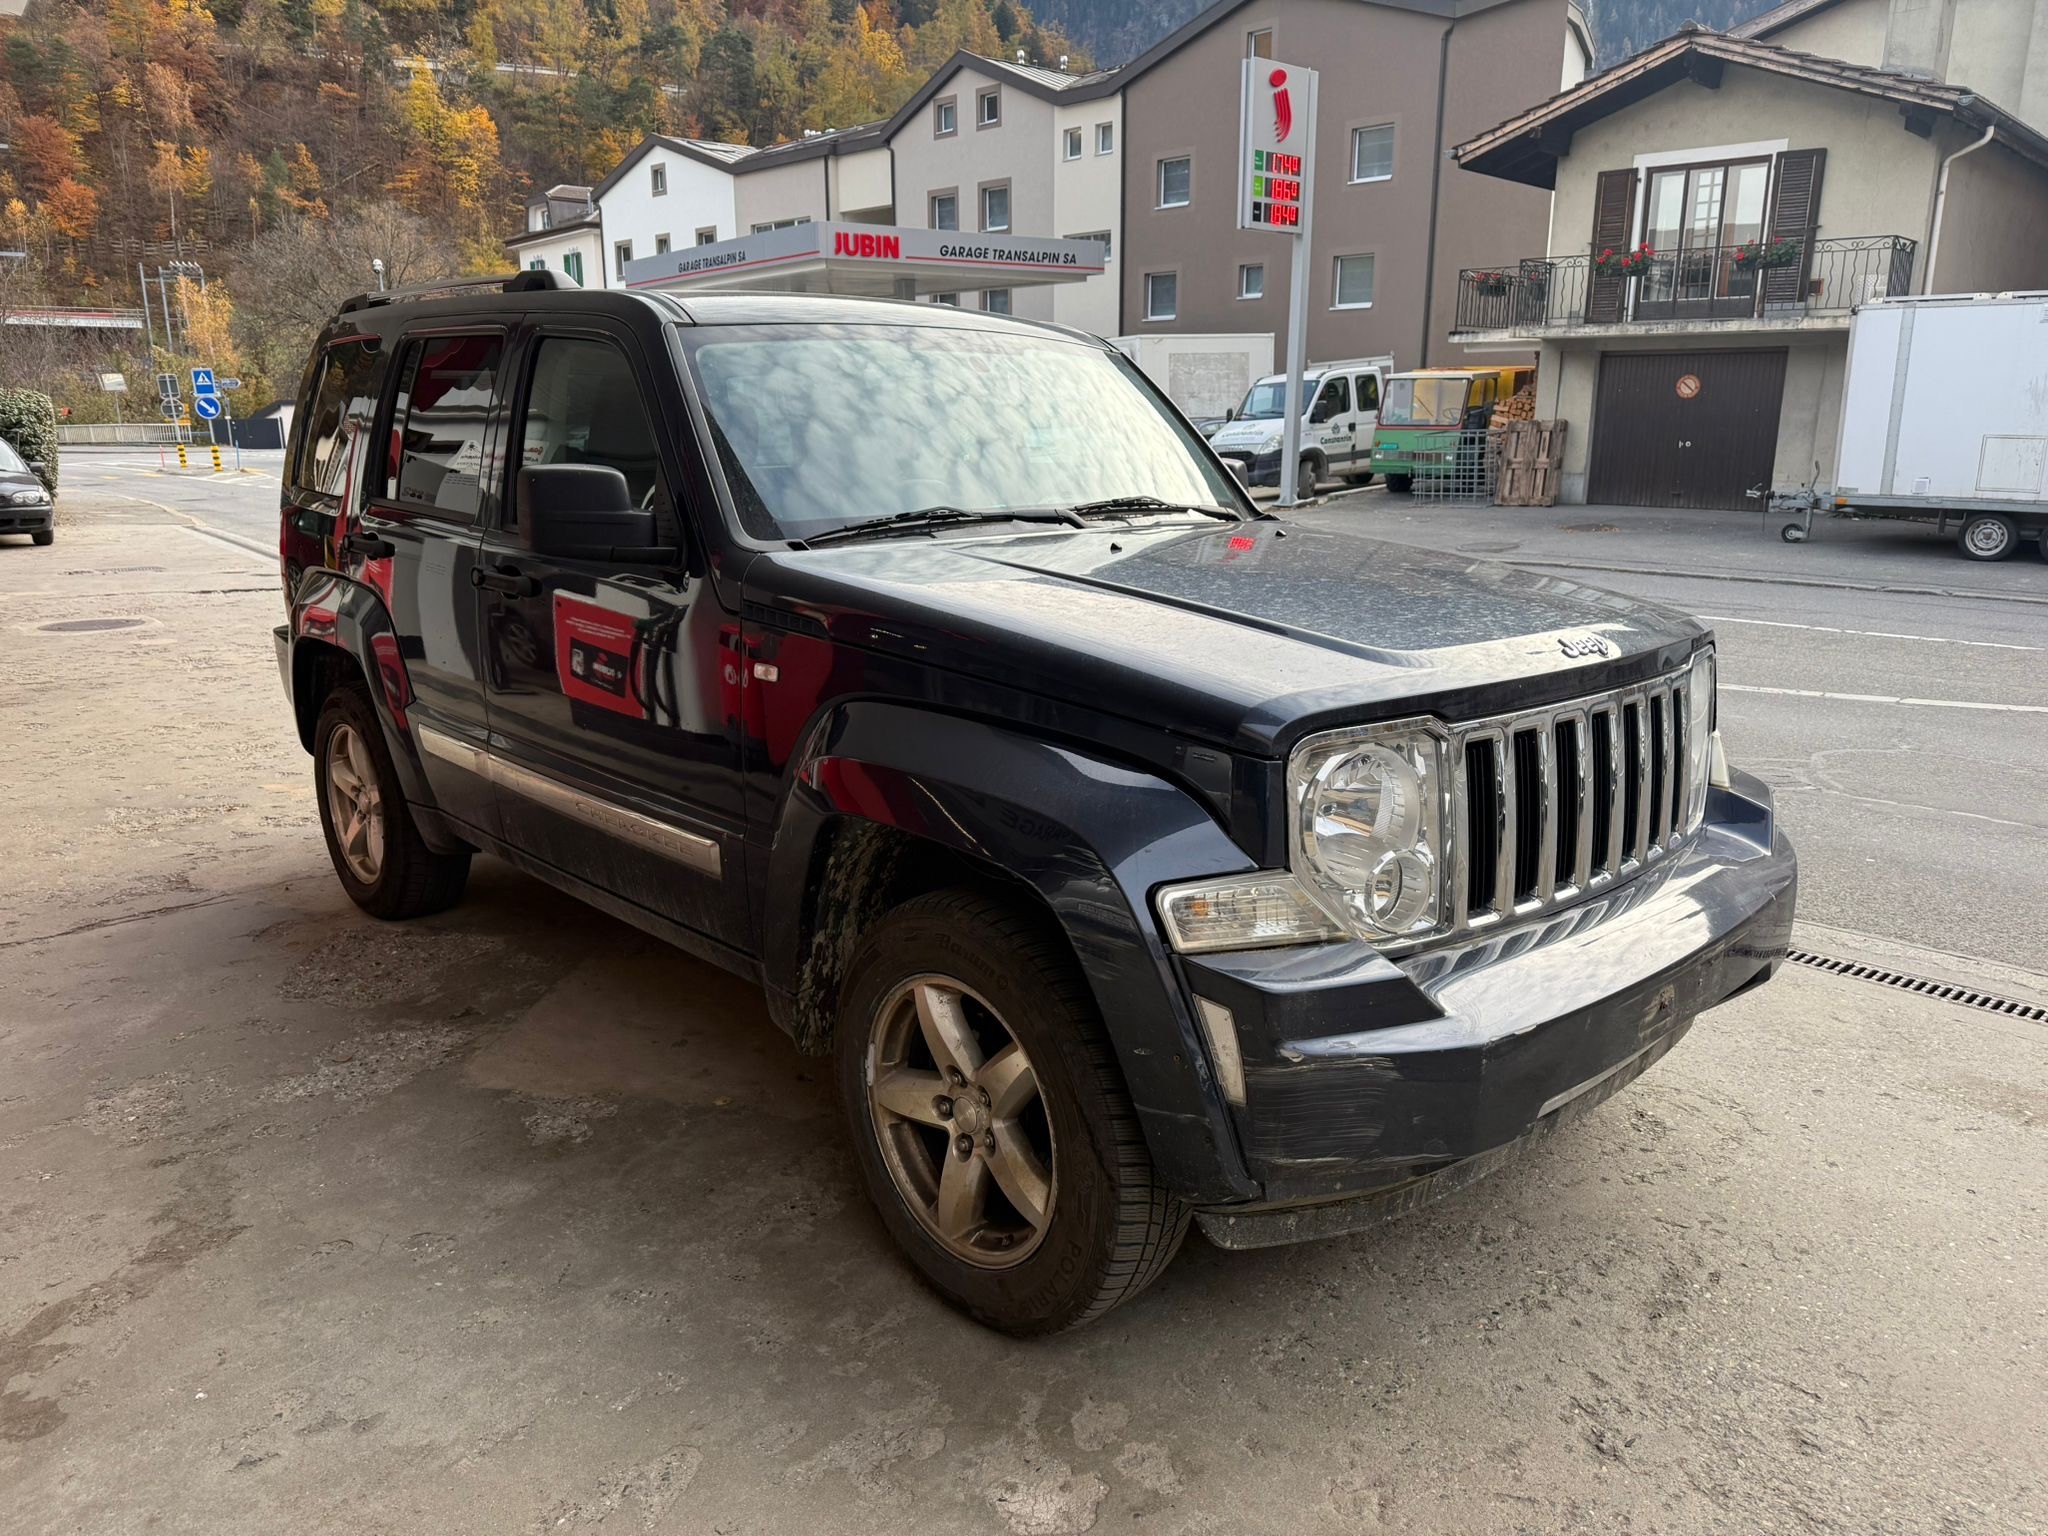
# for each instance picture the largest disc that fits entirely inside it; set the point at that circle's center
(1138, 858)
(25, 505)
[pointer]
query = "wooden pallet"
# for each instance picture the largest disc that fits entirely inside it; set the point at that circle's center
(1531, 463)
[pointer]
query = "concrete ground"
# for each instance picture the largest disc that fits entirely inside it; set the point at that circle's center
(514, 1220)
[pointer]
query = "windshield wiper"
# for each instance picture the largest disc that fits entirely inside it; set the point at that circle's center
(922, 519)
(1152, 504)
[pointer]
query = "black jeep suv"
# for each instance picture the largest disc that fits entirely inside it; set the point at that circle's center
(1139, 858)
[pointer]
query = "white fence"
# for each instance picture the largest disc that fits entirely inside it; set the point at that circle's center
(133, 432)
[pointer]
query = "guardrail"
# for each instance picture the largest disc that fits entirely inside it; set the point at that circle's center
(1707, 284)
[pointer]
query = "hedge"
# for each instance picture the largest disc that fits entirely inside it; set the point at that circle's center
(28, 420)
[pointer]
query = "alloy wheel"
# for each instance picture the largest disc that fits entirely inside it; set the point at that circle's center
(961, 1122)
(355, 805)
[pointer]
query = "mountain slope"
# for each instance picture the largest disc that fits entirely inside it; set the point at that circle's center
(1118, 30)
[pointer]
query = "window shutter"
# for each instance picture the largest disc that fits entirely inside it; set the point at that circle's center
(1795, 215)
(1614, 221)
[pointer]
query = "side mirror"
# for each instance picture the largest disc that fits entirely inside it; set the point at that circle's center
(38, 467)
(582, 511)
(1230, 413)
(1324, 410)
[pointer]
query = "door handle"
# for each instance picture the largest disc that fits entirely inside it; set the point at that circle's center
(368, 546)
(508, 579)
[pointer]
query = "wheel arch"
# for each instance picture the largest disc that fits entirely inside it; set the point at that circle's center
(884, 801)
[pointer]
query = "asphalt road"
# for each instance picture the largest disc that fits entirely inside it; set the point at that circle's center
(514, 1220)
(1903, 722)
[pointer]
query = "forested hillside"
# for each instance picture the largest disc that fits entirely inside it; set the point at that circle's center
(281, 142)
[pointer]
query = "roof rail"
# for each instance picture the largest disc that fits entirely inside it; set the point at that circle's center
(530, 281)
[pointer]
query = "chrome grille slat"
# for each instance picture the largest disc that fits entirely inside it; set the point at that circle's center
(1546, 774)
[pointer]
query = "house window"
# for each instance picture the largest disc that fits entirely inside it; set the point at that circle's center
(988, 108)
(1259, 44)
(945, 118)
(573, 265)
(657, 177)
(1097, 234)
(1105, 138)
(996, 300)
(538, 264)
(661, 245)
(762, 229)
(622, 252)
(1176, 177)
(945, 210)
(1162, 295)
(1695, 210)
(995, 208)
(947, 298)
(1071, 147)
(708, 235)
(1251, 280)
(1372, 153)
(1354, 283)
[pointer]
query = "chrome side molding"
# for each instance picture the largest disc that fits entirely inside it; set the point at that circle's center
(662, 838)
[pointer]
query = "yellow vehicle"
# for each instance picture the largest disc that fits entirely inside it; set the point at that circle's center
(1425, 409)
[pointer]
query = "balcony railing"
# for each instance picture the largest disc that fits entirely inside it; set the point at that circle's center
(1703, 283)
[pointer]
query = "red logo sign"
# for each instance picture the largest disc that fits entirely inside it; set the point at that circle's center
(878, 246)
(1283, 106)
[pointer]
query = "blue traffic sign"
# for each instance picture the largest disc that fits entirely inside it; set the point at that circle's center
(206, 407)
(202, 382)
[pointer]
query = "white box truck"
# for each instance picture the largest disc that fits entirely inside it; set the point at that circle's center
(1945, 417)
(1205, 375)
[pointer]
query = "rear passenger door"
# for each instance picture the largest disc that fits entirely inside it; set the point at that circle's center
(429, 478)
(613, 677)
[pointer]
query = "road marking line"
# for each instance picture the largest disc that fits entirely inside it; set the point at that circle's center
(1879, 698)
(1870, 634)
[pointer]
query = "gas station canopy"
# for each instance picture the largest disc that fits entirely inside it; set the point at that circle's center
(870, 260)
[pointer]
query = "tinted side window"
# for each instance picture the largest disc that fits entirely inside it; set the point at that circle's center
(585, 407)
(1368, 391)
(1336, 399)
(447, 384)
(338, 421)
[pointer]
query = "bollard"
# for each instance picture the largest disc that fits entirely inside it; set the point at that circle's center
(181, 457)
(216, 457)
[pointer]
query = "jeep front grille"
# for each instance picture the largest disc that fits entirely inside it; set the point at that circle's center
(1551, 804)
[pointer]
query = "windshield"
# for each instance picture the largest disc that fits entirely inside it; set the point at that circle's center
(1267, 399)
(9, 459)
(1430, 402)
(820, 426)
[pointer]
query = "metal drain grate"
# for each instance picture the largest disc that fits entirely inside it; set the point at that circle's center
(1942, 991)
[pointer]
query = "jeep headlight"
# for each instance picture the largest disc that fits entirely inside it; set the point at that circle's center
(1367, 838)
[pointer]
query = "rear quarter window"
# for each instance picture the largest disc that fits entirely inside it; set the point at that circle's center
(333, 448)
(435, 460)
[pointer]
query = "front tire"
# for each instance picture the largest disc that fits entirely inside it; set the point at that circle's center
(385, 866)
(44, 536)
(991, 1123)
(1400, 485)
(1988, 536)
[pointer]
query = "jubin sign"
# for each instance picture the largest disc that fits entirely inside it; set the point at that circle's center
(1276, 170)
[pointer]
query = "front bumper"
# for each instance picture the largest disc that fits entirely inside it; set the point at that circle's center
(39, 518)
(1372, 1084)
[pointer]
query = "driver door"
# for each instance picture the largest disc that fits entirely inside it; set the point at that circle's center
(1335, 433)
(615, 753)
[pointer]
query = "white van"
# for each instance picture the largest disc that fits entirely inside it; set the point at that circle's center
(1340, 409)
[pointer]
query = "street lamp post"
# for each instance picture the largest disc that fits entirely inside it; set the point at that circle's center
(377, 266)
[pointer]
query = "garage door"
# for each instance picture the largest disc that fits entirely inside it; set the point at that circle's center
(1684, 429)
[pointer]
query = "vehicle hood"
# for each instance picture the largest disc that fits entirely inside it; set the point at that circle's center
(1247, 431)
(1247, 636)
(12, 480)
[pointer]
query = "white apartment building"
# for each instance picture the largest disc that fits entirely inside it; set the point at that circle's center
(987, 146)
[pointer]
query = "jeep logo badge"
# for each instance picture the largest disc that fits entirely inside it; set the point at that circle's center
(1579, 647)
